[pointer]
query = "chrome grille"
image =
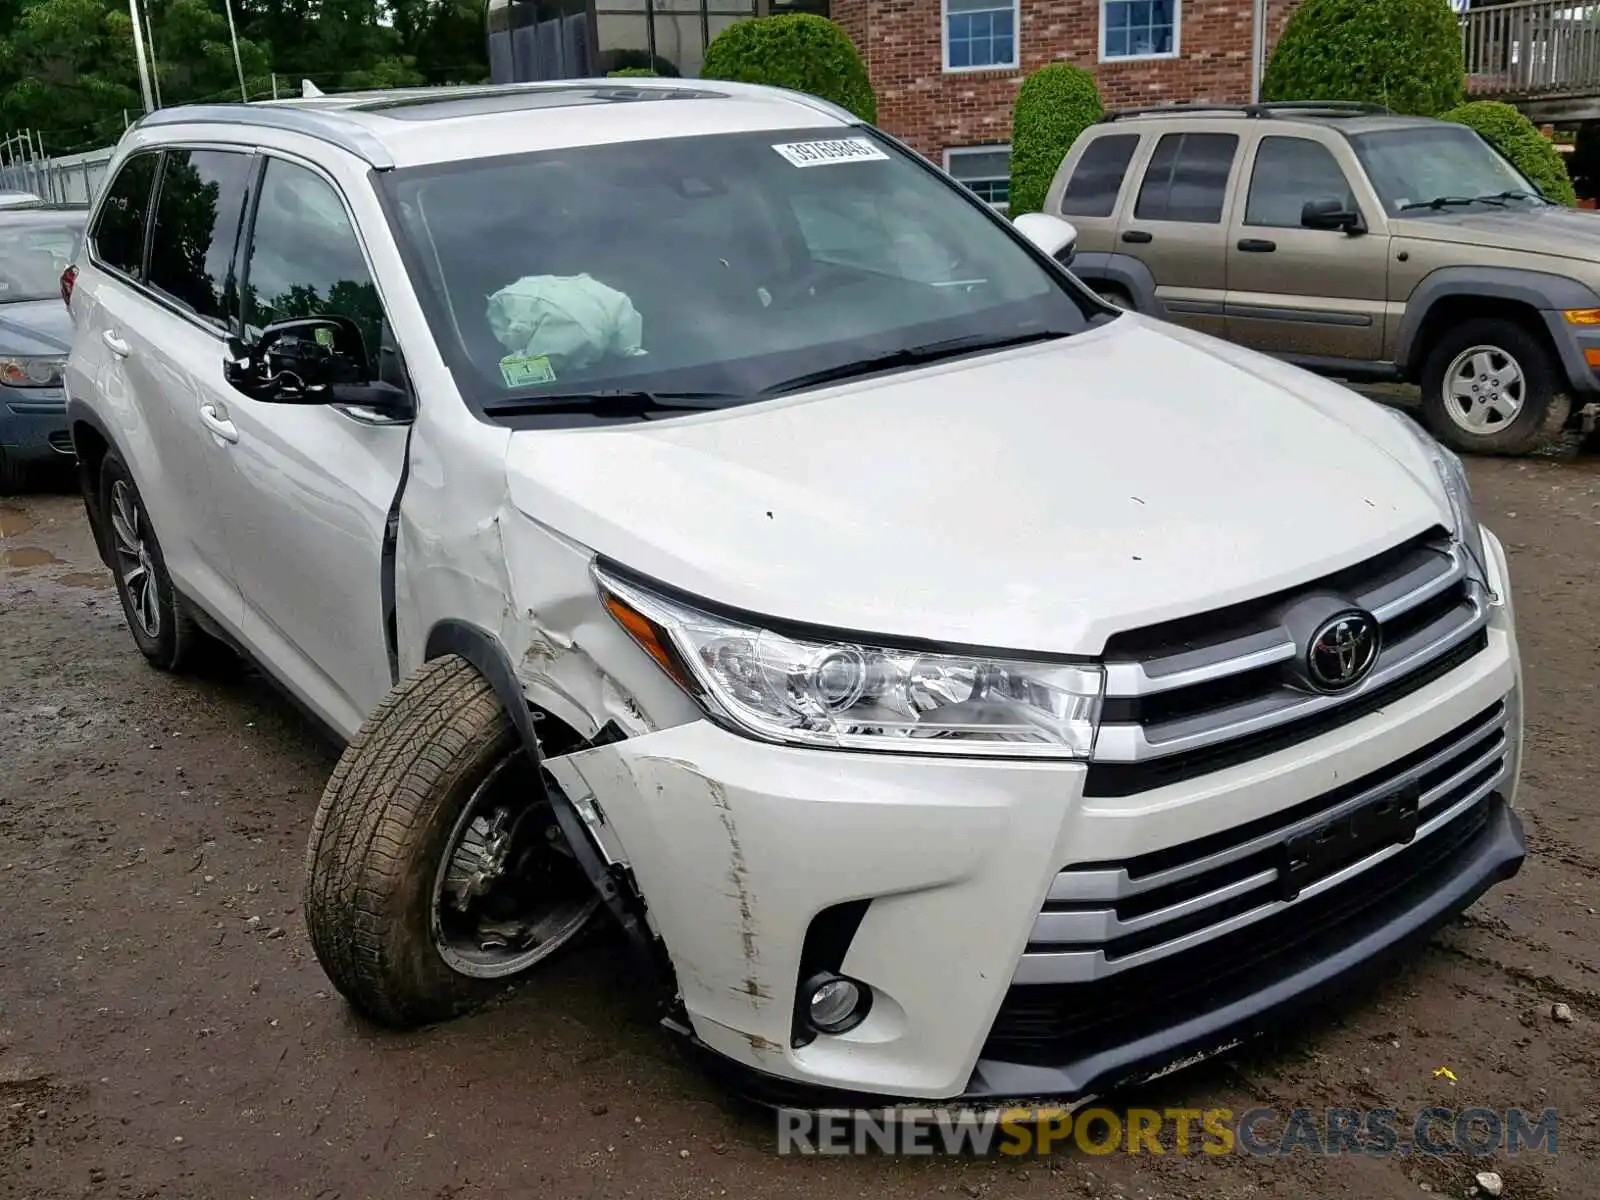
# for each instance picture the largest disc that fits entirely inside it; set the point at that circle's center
(1199, 694)
(1103, 918)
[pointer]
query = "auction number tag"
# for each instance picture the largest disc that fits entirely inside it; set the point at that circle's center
(821, 154)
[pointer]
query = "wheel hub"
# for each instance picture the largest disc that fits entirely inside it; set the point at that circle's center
(508, 891)
(479, 860)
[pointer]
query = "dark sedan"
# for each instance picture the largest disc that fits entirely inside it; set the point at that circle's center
(36, 246)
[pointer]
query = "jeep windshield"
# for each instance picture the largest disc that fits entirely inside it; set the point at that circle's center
(1430, 168)
(720, 268)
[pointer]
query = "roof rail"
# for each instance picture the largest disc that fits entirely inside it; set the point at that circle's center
(321, 123)
(1279, 108)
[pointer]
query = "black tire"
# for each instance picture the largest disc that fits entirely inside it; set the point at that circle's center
(14, 477)
(172, 641)
(1112, 294)
(1544, 403)
(385, 823)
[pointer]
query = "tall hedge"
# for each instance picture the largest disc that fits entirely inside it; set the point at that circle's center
(1519, 140)
(632, 73)
(801, 51)
(1054, 105)
(1404, 54)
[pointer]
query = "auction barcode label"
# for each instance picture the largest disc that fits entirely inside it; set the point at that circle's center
(816, 154)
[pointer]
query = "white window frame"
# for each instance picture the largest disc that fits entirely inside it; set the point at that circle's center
(952, 153)
(1177, 38)
(1016, 40)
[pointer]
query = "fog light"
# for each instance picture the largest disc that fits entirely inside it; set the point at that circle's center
(835, 1004)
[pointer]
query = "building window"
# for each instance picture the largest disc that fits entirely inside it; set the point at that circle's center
(984, 169)
(980, 34)
(1138, 29)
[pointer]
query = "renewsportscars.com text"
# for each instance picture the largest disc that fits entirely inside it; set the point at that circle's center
(1261, 1132)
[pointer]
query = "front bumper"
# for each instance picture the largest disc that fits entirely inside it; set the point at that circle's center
(743, 851)
(33, 425)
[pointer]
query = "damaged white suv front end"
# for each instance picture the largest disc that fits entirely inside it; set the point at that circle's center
(952, 686)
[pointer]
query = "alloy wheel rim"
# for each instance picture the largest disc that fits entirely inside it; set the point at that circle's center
(135, 567)
(1484, 390)
(507, 893)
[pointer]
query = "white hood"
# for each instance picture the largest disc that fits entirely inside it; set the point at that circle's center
(1039, 499)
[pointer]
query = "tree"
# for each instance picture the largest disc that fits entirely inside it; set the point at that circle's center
(1403, 54)
(795, 50)
(1519, 140)
(1054, 105)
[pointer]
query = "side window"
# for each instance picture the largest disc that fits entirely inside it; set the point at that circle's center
(198, 205)
(305, 259)
(1290, 171)
(118, 233)
(1097, 179)
(1187, 179)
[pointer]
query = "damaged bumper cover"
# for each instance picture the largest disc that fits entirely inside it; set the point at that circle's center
(749, 854)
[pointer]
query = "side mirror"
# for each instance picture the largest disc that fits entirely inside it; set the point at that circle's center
(1331, 214)
(311, 360)
(1057, 238)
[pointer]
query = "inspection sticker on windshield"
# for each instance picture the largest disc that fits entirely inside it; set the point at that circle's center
(818, 154)
(526, 370)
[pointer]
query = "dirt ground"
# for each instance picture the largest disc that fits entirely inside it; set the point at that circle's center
(156, 1041)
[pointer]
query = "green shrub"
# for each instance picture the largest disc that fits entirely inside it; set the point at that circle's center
(1054, 105)
(632, 73)
(1519, 140)
(1404, 54)
(801, 51)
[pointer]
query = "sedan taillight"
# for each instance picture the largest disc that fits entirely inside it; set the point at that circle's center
(68, 278)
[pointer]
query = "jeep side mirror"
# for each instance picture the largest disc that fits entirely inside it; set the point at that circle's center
(311, 360)
(1331, 214)
(1057, 238)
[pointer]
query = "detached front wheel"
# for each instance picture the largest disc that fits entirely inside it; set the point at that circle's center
(1490, 386)
(436, 871)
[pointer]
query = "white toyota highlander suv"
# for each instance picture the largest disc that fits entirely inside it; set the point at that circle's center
(694, 510)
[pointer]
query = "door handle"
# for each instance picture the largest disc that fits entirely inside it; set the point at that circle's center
(115, 344)
(1257, 245)
(218, 424)
(1137, 235)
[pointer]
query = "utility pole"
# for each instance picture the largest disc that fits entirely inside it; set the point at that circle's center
(233, 36)
(155, 63)
(138, 53)
(1258, 47)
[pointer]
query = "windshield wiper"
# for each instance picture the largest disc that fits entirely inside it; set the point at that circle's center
(911, 356)
(610, 403)
(1450, 201)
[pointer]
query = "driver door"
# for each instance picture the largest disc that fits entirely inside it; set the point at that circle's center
(1317, 293)
(305, 489)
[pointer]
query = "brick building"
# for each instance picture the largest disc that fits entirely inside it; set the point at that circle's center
(947, 71)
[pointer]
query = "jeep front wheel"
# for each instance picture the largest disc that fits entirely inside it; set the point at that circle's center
(436, 871)
(1490, 386)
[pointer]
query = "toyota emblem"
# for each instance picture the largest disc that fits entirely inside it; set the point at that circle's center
(1342, 650)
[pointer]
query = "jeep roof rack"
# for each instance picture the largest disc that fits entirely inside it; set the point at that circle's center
(1280, 108)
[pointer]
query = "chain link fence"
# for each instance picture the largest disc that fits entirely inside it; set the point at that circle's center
(63, 179)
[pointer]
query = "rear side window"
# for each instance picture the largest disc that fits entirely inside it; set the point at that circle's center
(1187, 179)
(118, 234)
(1096, 180)
(198, 206)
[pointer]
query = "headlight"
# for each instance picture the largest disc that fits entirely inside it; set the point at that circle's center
(1453, 479)
(849, 695)
(31, 372)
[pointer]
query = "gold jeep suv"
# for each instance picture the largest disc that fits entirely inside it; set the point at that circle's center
(1354, 242)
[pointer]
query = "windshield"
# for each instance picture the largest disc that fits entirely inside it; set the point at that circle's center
(34, 250)
(1414, 168)
(722, 266)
